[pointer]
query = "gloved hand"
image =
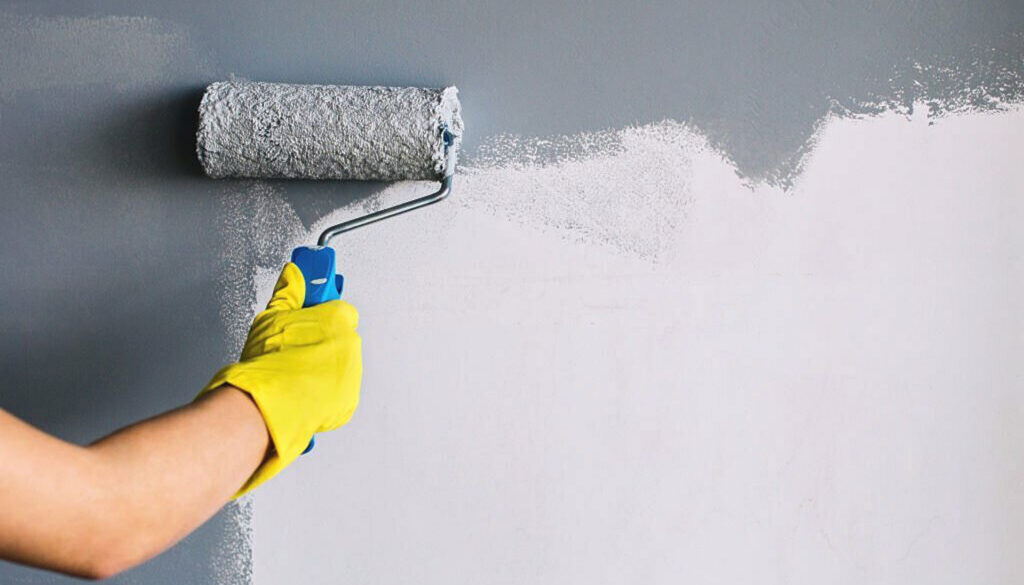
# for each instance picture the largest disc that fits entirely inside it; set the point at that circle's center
(302, 368)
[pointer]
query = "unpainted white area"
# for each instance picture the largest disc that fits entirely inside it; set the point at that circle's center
(815, 386)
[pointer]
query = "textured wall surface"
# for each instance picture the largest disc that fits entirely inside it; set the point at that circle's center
(785, 353)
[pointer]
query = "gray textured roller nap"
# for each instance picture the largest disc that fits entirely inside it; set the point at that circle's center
(277, 130)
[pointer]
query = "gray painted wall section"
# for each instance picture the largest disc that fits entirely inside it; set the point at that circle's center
(113, 252)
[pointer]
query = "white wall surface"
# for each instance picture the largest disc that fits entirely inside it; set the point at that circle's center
(745, 386)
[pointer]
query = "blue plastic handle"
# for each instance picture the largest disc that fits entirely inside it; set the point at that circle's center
(323, 283)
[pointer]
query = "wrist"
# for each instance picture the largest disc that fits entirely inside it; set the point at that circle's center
(237, 408)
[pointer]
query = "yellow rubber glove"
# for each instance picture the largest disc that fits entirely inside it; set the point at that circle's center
(302, 368)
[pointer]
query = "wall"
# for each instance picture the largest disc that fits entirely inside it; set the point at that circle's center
(723, 293)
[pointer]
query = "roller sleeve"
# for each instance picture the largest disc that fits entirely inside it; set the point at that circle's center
(275, 130)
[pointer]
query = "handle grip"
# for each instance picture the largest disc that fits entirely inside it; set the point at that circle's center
(323, 283)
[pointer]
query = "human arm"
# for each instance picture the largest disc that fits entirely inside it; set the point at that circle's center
(95, 511)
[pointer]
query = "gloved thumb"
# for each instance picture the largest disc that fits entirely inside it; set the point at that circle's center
(290, 290)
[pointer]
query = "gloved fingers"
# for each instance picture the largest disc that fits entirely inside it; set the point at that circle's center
(265, 331)
(290, 290)
(332, 321)
(334, 314)
(302, 367)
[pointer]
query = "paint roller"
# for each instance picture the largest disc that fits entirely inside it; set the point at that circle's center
(287, 131)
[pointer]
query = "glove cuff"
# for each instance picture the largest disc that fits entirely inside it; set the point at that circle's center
(286, 443)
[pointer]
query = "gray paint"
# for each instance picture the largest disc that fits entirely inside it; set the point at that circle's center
(307, 131)
(114, 251)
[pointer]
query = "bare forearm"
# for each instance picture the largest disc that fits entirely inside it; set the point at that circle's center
(97, 510)
(169, 474)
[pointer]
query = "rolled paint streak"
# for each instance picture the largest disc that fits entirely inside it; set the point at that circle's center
(63, 52)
